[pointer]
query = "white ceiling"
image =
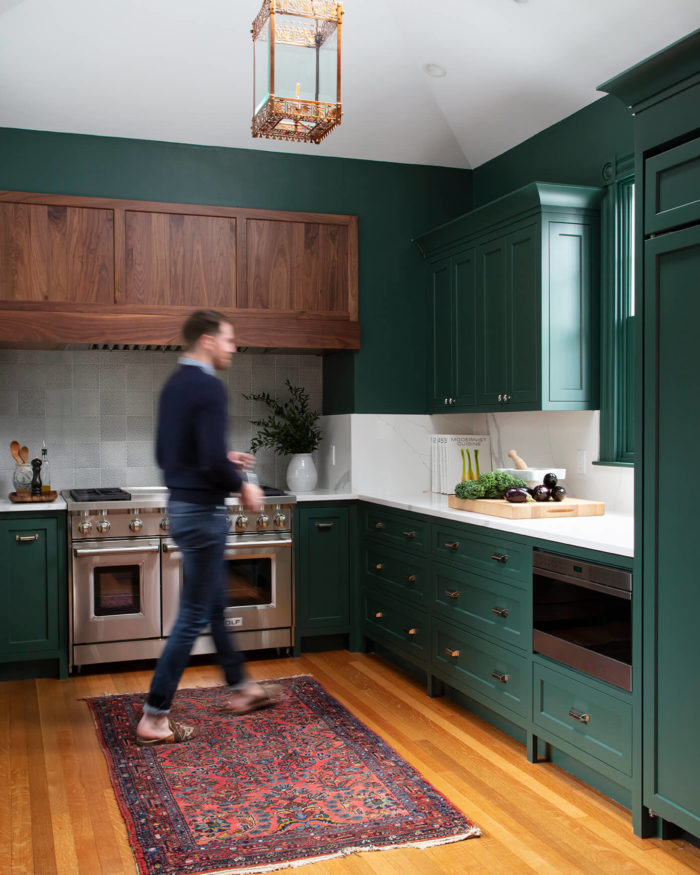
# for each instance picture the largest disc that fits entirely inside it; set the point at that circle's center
(181, 70)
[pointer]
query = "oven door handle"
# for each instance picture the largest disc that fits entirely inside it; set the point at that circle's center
(242, 545)
(103, 551)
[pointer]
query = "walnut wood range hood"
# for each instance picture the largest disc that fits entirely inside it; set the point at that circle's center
(81, 271)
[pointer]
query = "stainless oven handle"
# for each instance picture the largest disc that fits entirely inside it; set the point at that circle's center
(103, 551)
(243, 545)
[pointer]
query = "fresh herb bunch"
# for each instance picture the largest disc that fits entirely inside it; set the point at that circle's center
(491, 484)
(291, 426)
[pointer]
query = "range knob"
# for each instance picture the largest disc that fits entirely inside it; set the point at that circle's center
(103, 526)
(241, 522)
(262, 522)
(85, 527)
(165, 524)
(279, 521)
(136, 524)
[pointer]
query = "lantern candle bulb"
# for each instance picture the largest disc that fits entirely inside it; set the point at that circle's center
(298, 88)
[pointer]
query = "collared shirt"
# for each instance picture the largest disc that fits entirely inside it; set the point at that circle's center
(207, 368)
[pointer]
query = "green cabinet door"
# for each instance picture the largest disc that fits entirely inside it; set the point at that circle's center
(670, 570)
(32, 580)
(442, 328)
(492, 315)
(322, 572)
(523, 283)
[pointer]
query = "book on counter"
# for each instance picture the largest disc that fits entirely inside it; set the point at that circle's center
(457, 457)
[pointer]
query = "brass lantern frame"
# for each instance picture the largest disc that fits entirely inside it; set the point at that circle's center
(288, 118)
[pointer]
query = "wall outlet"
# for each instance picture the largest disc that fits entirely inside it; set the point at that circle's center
(580, 461)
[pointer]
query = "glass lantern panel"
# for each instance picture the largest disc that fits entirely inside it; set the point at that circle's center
(261, 49)
(301, 69)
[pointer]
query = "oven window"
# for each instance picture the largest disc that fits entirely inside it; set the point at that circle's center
(117, 590)
(249, 581)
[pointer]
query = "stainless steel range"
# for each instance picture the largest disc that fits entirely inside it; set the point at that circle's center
(126, 574)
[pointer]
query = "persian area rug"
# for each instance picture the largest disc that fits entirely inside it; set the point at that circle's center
(295, 783)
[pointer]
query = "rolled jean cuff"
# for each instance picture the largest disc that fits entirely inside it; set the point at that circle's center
(151, 709)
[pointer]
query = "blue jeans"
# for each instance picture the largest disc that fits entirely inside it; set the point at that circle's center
(200, 533)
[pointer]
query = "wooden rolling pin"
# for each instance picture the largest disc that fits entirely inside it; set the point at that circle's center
(519, 463)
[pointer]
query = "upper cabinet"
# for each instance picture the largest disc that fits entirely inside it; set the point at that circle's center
(513, 298)
(96, 270)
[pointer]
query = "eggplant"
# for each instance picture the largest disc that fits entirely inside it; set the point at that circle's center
(550, 480)
(558, 493)
(516, 494)
(541, 493)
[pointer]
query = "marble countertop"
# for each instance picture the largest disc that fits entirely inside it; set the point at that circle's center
(7, 506)
(610, 533)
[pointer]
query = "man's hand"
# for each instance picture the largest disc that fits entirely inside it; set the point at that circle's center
(252, 497)
(241, 460)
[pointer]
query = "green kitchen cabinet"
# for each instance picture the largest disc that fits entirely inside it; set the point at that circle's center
(514, 303)
(33, 589)
(324, 535)
(664, 95)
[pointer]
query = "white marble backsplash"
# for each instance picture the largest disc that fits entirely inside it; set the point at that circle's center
(386, 453)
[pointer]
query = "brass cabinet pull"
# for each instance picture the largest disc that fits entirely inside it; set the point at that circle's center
(410, 534)
(411, 631)
(500, 557)
(452, 545)
(452, 594)
(324, 526)
(500, 676)
(379, 615)
(579, 715)
(26, 539)
(453, 654)
(379, 566)
(411, 578)
(502, 612)
(379, 525)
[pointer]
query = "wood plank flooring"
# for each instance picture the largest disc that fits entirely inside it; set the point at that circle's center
(58, 813)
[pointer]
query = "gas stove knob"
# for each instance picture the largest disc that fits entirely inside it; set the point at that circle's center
(241, 522)
(262, 522)
(103, 526)
(279, 520)
(165, 524)
(136, 525)
(85, 527)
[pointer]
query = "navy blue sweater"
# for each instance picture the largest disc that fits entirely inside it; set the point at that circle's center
(191, 438)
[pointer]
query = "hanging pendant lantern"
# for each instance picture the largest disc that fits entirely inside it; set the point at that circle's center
(296, 69)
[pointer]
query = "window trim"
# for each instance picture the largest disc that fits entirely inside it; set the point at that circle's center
(617, 368)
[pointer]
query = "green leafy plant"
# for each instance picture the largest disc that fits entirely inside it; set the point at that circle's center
(291, 426)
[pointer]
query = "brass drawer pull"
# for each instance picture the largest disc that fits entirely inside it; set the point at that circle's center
(579, 715)
(412, 631)
(502, 612)
(26, 539)
(500, 557)
(410, 535)
(379, 525)
(379, 615)
(452, 545)
(500, 676)
(379, 566)
(453, 654)
(324, 526)
(452, 594)
(411, 578)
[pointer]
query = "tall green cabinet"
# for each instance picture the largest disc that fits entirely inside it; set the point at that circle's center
(664, 94)
(513, 303)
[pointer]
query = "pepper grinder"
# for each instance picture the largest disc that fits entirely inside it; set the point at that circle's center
(36, 479)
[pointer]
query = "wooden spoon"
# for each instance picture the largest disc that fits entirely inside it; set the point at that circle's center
(14, 449)
(24, 453)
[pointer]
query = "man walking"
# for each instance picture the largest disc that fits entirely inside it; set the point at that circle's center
(199, 473)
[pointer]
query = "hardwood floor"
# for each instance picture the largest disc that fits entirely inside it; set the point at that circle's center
(58, 813)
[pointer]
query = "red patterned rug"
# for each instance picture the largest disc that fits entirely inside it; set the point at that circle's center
(292, 784)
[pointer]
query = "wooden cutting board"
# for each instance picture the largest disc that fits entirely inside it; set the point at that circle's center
(530, 510)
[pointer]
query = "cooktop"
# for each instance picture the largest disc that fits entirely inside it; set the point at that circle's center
(106, 493)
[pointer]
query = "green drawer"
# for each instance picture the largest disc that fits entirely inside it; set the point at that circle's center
(498, 557)
(672, 188)
(585, 715)
(477, 666)
(405, 576)
(405, 626)
(393, 527)
(484, 605)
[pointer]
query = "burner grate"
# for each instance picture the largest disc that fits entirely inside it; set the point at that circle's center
(111, 493)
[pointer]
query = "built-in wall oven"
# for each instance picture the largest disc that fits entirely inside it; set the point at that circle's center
(126, 575)
(582, 616)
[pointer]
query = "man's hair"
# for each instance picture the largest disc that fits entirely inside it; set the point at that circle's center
(201, 322)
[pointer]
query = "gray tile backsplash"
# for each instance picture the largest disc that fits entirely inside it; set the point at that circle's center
(96, 410)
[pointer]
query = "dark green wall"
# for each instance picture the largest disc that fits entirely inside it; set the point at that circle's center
(572, 151)
(393, 203)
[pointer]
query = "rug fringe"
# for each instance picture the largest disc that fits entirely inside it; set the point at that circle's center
(475, 832)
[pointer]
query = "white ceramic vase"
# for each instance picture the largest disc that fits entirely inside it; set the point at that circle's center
(301, 473)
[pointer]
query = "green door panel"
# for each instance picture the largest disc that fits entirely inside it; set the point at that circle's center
(492, 315)
(322, 575)
(442, 312)
(523, 324)
(672, 188)
(464, 329)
